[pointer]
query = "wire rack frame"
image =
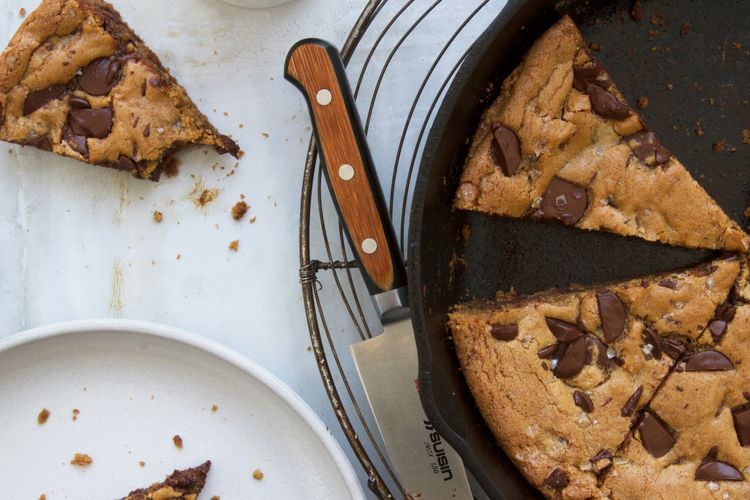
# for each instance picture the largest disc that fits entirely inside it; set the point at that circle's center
(389, 27)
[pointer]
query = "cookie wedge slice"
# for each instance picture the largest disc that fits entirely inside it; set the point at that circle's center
(77, 81)
(560, 377)
(180, 485)
(561, 144)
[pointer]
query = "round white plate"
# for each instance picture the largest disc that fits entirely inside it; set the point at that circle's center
(136, 386)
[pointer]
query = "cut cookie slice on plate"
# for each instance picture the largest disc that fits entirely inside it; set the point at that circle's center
(180, 485)
(559, 377)
(561, 144)
(76, 80)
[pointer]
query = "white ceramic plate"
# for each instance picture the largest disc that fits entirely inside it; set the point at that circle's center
(137, 385)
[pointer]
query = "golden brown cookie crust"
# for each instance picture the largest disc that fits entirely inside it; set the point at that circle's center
(180, 485)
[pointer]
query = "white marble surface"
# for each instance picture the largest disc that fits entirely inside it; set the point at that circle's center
(78, 241)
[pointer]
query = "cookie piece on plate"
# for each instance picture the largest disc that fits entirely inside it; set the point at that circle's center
(560, 143)
(76, 80)
(180, 485)
(560, 377)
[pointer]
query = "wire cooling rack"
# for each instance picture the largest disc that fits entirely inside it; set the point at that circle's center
(401, 57)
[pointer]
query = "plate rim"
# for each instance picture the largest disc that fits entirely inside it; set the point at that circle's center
(224, 353)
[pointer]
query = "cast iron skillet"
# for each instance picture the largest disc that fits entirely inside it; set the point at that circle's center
(708, 78)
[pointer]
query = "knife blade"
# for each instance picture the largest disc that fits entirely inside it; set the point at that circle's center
(427, 466)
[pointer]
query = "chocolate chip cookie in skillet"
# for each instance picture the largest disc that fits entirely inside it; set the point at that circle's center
(180, 485)
(561, 144)
(76, 80)
(563, 378)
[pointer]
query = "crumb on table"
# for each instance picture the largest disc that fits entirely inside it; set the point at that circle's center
(41, 419)
(216, 497)
(177, 440)
(253, 219)
(719, 146)
(685, 29)
(22, 13)
(81, 459)
(76, 412)
(698, 131)
(643, 102)
(239, 210)
(257, 475)
(42, 497)
(234, 245)
(214, 408)
(158, 216)
(746, 136)
(141, 463)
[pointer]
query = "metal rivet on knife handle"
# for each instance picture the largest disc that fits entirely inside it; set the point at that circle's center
(369, 246)
(346, 172)
(324, 97)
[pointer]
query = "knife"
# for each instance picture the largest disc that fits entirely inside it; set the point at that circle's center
(427, 466)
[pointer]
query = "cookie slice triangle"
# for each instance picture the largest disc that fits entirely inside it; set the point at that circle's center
(560, 377)
(180, 485)
(561, 144)
(77, 81)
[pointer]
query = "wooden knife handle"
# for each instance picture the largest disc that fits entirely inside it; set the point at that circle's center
(315, 67)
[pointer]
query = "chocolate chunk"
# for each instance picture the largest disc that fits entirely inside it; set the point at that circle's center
(601, 455)
(630, 404)
(79, 103)
(556, 480)
(147, 130)
(100, 76)
(127, 164)
(606, 104)
(506, 149)
(652, 338)
(38, 141)
(562, 330)
(708, 361)
(594, 74)
(548, 352)
(656, 436)
(612, 314)
(647, 148)
(91, 122)
(144, 88)
(668, 283)
(705, 270)
(39, 98)
(741, 417)
(717, 328)
(716, 470)
(573, 359)
(504, 332)
(564, 201)
(674, 348)
(76, 142)
(601, 357)
(583, 401)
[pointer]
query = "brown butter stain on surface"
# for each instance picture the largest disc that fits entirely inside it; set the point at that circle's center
(118, 284)
(123, 195)
(201, 195)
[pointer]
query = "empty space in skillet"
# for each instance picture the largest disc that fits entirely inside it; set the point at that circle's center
(693, 79)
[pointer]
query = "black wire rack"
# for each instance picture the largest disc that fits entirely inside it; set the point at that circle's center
(401, 57)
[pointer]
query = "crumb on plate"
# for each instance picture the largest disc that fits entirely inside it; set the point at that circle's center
(81, 459)
(76, 412)
(158, 216)
(41, 419)
(177, 440)
(234, 245)
(239, 210)
(643, 102)
(214, 408)
(257, 475)
(141, 463)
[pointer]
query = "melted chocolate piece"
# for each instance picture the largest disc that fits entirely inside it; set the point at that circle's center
(630, 404)
(668, 283)
(127, 164)
(656, 436)
(606, 104)
(594, 74)
(674, 348)
(741, 418)
(612, 314)
(573, 359)
(76, 142)
(79, 103)
(583, 401)
(506, 149)
(100, 76)
(562, 330)
(563, 201)
(548, 352)
(647, 148)
(39, 98)
(652, 338)
(504, 332)
(91, 122)
(717, 328)
(556, 480)
(716, 470)
(38, 141)
(708, 361)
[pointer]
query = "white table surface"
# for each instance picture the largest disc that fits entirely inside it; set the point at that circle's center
(78, 241)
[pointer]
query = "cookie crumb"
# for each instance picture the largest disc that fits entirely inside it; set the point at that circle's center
(597, 47)
(636, 12)
(76, 412)
(257, 475)
(234, 245)
(172, 168)
(216, 497)
(158, 216)
(81, 459)
(746, 213)
(214, 408)
(698, 131)
(22, 13)
(685, 29)
(719, 146)
(736, 45)
(656, 20)
(746, 136)
(309, 348)
(253, 219)
(670, 87)
(643, 102)
(239, 210)
(265, 135)
(177, 440)
(141, 463)
(41, 419)
(179, 256)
